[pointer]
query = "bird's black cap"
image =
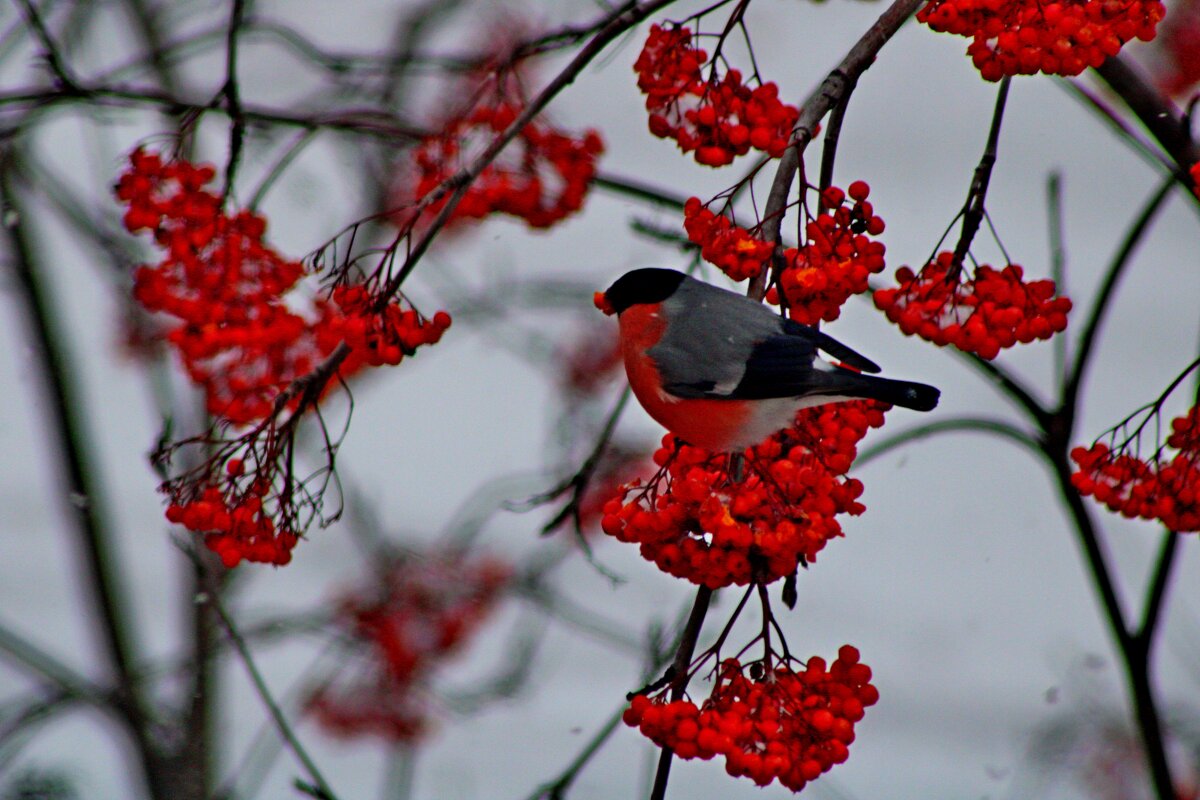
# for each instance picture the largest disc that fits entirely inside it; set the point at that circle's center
(649, 285)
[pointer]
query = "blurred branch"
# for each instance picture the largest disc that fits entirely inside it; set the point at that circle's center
(233, 97)
(1108, 287)
(260, 685)
(556, 788)
(84, 499)
(638, 190)
(54, 59)
(42, 665)
(1001, 428)
(368, 122)
(1162, 119)
(1157, 590)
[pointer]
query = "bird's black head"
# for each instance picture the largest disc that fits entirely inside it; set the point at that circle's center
(648, 285)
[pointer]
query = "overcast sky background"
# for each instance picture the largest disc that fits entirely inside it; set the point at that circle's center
(961, 585)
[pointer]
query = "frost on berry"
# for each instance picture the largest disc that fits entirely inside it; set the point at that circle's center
(401, 629)
(1164, 487)
(981, 314)
(718, 117)
(258, 346)
(767, 723)
(1024, 37)
(696, 521)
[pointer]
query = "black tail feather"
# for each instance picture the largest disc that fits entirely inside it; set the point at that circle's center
(907, 394)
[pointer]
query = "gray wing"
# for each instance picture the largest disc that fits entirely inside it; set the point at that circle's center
(722, 345)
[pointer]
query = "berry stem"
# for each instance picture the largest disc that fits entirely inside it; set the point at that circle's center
(838, 83)
(973, 210)
(619, 21)
(679, 680)
(1161, 117)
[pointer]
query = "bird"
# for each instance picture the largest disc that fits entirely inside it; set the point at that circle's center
(723, 372)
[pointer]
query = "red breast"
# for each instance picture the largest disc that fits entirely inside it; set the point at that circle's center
(716, 425)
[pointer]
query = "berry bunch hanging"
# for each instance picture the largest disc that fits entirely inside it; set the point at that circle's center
(1024, 37)
(984, 314)
(542, 177)
(837, 258)
(737, 252)
(698, 522)
(247, 336)
(716, 118)
(772, 724)
(1164, 488)
(426, 609)
(234, 298)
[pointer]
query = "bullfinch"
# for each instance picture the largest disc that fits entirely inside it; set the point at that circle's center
(724, 372)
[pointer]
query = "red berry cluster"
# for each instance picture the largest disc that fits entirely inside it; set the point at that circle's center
(735, 251)
(696, 521)
(235, 522)
(837, 258)
(985, 314)
(790, 726)
(1023, 37)
(377, 337)
(1194, 172)
(718, 119)
(541, 177)
(1164, 489)
(426, 609)
(238, 333)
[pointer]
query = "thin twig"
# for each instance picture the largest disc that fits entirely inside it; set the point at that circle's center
(973, 210)
(264, 694)
(1103, 302)
(679, 680)
(458, 184)
(828, 94)
(998, 427)
(233, 98)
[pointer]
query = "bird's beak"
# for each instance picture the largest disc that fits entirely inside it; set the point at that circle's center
(600, 299)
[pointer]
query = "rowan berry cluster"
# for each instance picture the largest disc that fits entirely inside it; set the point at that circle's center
(541, 177)
(1020, 37)
(837, 258)
(376, 337)
(719, 118)
(735, 251)
(785, 725)
(424, 611)
(696, 521)
(984, 314)
(244, 338)
(239, 333)
(1162, 488)
(236, 524)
